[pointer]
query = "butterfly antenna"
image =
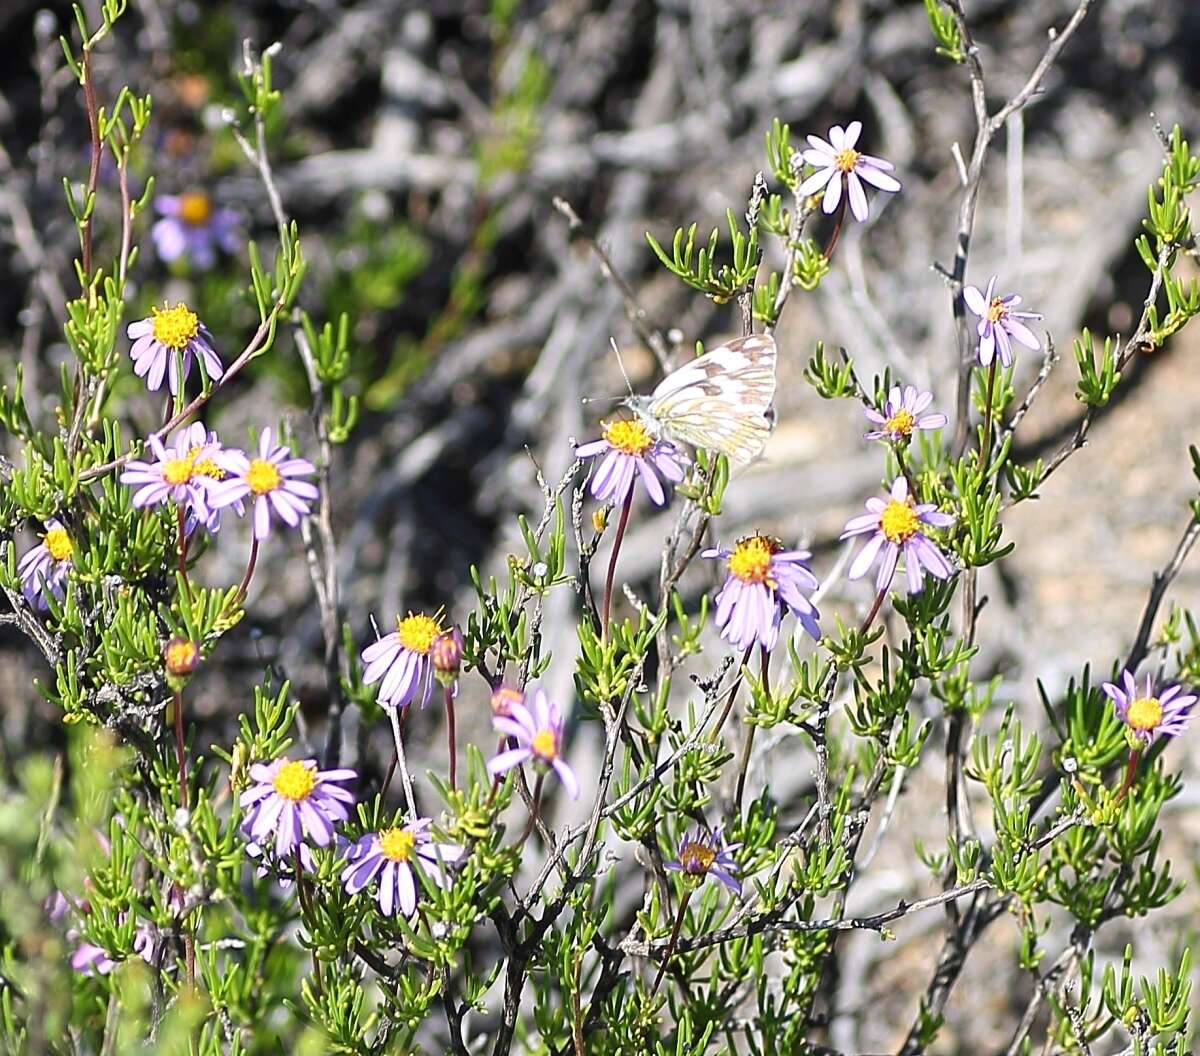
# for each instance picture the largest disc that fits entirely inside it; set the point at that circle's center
(621, 364)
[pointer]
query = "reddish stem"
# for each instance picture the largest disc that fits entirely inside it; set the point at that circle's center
(181, 518)
(1131, 766)
(986, 448)
(835, 234)
(450, 738)
(874, 608)
(612, 564)
(245, 585)
(672, 941)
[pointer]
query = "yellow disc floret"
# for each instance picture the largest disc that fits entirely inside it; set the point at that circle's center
(845, 160)
(997, 310)
(751, 558)
(899, 521)
(545, 745)
(175, 327)
(205, 467)
(1145, 713)
(178, 470)
(697, 857)
(195, 208)
(901, 423)
(418, 632)
(295, 781)
(262, 476)
(396, 845)
(628, 437)
(58, 543)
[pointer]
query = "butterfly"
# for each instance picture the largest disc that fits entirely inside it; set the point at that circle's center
(720, 401)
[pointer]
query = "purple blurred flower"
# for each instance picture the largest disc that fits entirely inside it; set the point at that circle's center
(178, 473)
(895, 526)
(902, 414)
(762, 578)
(269, 481)
(89, 959)
(537, 731)
(704, 854)
(290, 800)
(168, 339)
(503, 699)
(43, 570)
(1149, 716)
(400, 661)
(391, 854)
(837, 162)
(192, 226)
(999, 325)
(630, 451)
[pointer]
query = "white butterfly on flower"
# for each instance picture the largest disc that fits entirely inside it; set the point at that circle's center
(719, 401)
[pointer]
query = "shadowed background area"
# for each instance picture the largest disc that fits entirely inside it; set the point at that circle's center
(422, 149)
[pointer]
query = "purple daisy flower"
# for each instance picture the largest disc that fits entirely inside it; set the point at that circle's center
(838, 163)
(391, 854)
(400, 661)
(763, 578)
(999, 325)
(43, 570)
(902, 414)
(895, 527)
(1150, 715)
(629, 452)
(170, 339)
(291, 800)
(192, 226)
(535, 732)
(184, 473)
(703, 854)
(269, 481)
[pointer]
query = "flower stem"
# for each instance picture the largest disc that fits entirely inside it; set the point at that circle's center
(306, 907)
(1135, 755)
(612, 564)
(835, 234)
(181, 750)
(875, 608)
(534, 810)
(183, 546)
(672, 941)
(405, 777)
(716, 730)
(764, 671)
(450, 738)
(985, 449)
(245, 585)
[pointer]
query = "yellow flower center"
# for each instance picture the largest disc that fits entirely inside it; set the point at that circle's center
(697, 857)
(845, 160)
(59, 544)
(262, 476)
(295, 781)
(195, 208)
(545, 745)
(175, 327)
(901, 423)
(751, 559)
(396, 845)
(996, 310)
(1145, 713)
(418, 632)
(178, 470)
(899, 521)
(628, 436)
(206, 467)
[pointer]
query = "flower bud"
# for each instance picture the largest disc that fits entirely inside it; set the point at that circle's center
(503, 699)
(181, 658)
(446, 656)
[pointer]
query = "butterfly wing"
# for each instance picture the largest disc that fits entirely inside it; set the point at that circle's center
(720, 400)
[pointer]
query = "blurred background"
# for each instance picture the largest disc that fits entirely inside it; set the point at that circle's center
(421, 148)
